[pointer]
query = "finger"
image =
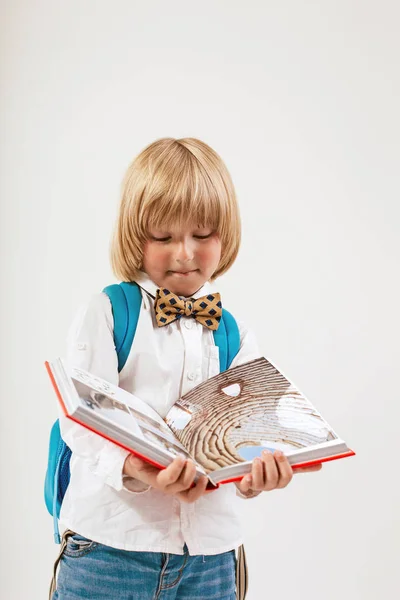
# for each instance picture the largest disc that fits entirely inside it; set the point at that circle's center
(310, 469)
(245, 483)
(171, 474)
(271, 471)
(139, 469)
(132, 465)
(284, 468)
(189, 473)
(257, 473)
(195, 492)
(185, 480)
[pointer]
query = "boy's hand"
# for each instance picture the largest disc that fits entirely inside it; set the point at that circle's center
(176, 479)
(270, 472)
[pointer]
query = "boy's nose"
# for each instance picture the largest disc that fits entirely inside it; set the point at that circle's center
(184, 252)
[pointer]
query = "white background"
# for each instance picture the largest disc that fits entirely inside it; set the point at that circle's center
(301, 99)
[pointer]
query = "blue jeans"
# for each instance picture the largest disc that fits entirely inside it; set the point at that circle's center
(88, 570)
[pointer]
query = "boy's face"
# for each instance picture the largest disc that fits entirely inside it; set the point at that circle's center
(181, 259)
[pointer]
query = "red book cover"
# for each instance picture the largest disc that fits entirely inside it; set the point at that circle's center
(222, 424)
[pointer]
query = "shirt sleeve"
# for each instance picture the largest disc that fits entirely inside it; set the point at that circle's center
(90, 346)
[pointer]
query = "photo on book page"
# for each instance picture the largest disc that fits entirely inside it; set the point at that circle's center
(107, 408)
(100, 394)
(233, 416)
(169, 443)
(112, 403)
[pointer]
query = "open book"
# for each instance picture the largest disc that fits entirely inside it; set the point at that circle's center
(222, 424)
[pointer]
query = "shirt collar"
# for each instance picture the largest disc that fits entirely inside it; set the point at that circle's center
(151, 288)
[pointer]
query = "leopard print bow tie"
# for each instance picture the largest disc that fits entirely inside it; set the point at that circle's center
(169, 307)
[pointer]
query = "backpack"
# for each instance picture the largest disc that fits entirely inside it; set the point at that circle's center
(126, 300)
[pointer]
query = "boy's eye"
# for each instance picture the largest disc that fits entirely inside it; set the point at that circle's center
(202, 237)
(168, 238)
(163, 239)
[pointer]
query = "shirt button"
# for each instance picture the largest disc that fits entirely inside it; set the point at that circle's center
(81, 346)
(192, 376)
(188, 323)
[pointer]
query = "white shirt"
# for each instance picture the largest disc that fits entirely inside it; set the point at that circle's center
(164, 363)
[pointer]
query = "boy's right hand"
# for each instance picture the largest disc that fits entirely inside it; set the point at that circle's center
(176, 479)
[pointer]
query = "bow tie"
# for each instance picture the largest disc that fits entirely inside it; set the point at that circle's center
(169, 307)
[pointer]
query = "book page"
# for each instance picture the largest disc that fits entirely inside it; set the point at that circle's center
(119, 410)
(233, 416)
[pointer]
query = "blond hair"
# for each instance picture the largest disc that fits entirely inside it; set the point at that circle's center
(174, 181)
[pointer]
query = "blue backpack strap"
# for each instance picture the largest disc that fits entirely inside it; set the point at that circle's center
(126, 300)
(227, 338)
(57, 476)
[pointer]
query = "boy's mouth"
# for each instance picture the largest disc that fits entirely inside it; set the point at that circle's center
(182, 273)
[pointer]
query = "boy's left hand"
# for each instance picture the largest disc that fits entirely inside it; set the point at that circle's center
(270, 472)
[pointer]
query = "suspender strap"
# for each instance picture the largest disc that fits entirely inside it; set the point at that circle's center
(242, 577)
(67, 533)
